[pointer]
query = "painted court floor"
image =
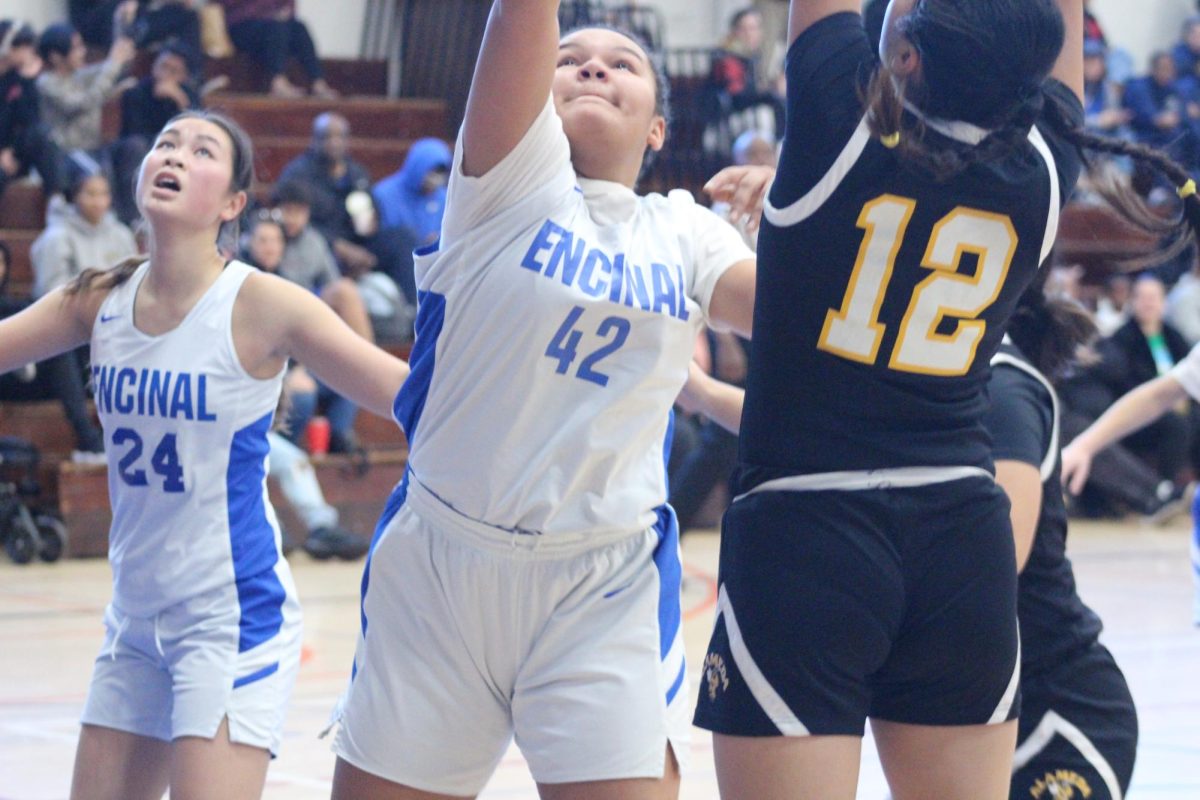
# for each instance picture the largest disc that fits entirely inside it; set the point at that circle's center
(1136, 577)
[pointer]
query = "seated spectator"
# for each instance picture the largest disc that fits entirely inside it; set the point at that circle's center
(389, 291)
(742, 74)
(1186, 52)
(281, 242)
(1183, 305)
(60, 378)
(155, 99)
(72, 95)
(1161, 110)
(1112, 306)
(146, 22)
(414, 196)
(298, 480)
(81, 234)
(25, 142)
(1103, 113)
(1141, 350)
(331, 174)
(268, 31)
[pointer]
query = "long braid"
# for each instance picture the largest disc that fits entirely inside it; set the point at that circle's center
(1180, 231)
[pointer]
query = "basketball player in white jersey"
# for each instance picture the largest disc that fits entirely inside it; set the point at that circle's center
(524, 580)
(188, 352)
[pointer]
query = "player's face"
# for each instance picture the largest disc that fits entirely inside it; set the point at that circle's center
(891, 40)
(187, 176)
(604, 92)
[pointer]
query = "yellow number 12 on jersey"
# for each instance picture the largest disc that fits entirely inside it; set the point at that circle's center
(854, 330)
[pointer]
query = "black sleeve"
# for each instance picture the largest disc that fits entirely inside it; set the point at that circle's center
(1066, 156)
(827, 67)
(1021, 419)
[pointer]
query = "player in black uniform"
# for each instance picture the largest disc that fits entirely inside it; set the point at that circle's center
(867, 566)
(1078, 725)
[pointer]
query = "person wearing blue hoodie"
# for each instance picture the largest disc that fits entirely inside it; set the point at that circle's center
(414, 196)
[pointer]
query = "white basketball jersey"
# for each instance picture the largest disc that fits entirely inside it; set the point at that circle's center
(556, 324)
(185, 430)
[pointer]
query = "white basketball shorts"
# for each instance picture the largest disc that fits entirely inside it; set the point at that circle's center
(182, 671)
(473, 635)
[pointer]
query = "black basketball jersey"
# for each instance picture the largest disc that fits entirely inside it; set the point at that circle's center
(882, 292)
(1023, 423)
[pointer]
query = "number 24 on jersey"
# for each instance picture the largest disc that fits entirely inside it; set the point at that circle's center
(854, 331)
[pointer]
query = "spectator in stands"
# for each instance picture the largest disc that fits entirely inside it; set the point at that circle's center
(147, 106)
(81, 234)
(25, 142)
(268, 31)
(742, 70)
(414, 196)
(1186, 51)
(281, 241)
(290, 465)
(1103, 112)
(146, 22)
(72, 95)
(1140, 351)
(1092, 31)
(331, 174)
(389, 291)
(1161, 110)
(1112, 306)
(59, 378)
(1183, 305)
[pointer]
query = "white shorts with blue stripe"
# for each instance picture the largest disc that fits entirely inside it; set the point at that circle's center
(473, 635)
(182, 671)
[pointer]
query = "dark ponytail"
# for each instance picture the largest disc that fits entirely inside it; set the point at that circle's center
(93, 278)
(1054, 333)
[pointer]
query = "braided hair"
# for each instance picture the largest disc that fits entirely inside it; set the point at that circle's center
(971, 71)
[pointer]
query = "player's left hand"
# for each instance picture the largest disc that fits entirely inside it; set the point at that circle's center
(744, 189)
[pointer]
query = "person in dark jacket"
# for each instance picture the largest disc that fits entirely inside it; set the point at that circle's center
(25, 142)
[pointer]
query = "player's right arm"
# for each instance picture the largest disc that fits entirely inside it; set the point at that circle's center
(1069, 67)
(512, 80)
(803, 14)
(56, 323)
(1135, 410)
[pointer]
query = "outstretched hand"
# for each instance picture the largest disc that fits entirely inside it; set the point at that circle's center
(743, 189)
(1076, 464)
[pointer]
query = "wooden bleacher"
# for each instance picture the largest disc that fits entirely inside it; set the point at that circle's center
(382, 129)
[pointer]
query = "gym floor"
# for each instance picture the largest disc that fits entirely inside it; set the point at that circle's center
(1137, 578)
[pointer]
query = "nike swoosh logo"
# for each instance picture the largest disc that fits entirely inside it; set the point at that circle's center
(618, 590)
(104, 318)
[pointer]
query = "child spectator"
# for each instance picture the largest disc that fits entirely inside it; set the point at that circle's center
(1102, 109)
(742, 70)
(82, 234)
(268, 31)
(24, 141)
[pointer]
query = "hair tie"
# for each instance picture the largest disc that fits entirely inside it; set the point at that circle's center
(1187, 190)
(892, 141)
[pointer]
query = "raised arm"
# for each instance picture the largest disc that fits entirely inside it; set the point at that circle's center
(512, 80)
(280, 320)
(803, 14)
(1069, 67)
